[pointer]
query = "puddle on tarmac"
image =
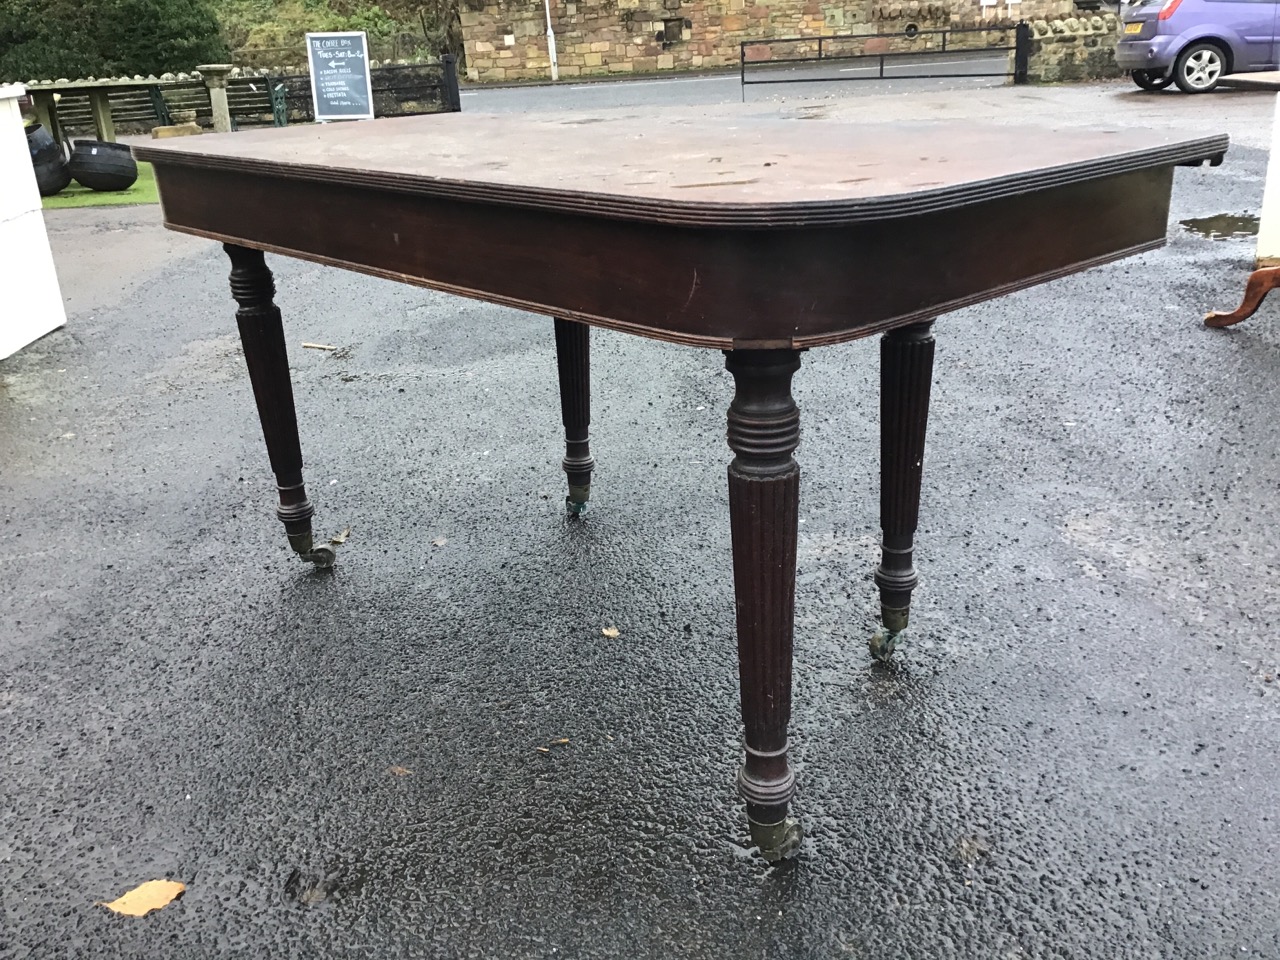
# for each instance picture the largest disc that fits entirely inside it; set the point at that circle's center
(1224, 226)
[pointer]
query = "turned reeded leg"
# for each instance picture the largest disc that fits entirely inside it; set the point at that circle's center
(573, 359)
(906, 371)
(262, 335)
(764, 490)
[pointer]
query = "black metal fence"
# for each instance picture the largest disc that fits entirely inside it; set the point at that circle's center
(402, 46)
(819, 50)
(397, 91)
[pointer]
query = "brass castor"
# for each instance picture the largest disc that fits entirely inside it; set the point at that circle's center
(322, 556)
(777, 841)
(883, 642)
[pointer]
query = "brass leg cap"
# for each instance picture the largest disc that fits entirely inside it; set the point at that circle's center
(883, 642)
(301, 543)
(777, 841)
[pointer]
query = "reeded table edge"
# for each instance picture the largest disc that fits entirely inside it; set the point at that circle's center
(689, 213)
(827, 338)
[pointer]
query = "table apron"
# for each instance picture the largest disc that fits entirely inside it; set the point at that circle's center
(718, 287)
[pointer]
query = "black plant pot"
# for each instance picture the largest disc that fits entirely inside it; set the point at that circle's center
(99, 165)
(47, 159)
(42, 146)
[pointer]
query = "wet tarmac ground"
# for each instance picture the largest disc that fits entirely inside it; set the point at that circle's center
(1073, 756)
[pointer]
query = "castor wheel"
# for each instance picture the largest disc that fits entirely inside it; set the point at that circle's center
(322, 556)
(883, 642)
(575, 509)
(777, 841)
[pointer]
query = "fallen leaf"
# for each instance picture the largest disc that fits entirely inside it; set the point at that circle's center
(608, 737)
(610, 632)
(152, 895)
(561, 740)
(400, 771)
(319, 346)
(543, 749)
(439, 542)
(338, 539)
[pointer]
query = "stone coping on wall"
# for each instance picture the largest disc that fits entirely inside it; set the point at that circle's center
(183, 77)
(1075, 26)
(1074, 49)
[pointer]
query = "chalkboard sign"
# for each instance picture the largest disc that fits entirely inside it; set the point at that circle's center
(340, 87)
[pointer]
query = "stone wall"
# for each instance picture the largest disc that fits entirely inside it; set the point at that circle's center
(1077, 48)
(506, 39)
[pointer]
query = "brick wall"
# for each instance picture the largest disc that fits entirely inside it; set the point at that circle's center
(506, 39)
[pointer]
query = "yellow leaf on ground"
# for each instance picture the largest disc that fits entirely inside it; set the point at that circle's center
(561, 740)
(400, 771)
(610, 632)
(543, 749)
(152, 895)
(338, 539)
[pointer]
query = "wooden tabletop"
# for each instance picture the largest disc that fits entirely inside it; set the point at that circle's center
(739, 231)
(742, 171)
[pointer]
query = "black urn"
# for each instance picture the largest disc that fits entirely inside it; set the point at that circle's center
(100, 165)
(48, 160)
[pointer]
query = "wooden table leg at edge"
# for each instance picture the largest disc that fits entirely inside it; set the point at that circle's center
(764, 491)
(573, 363)
(265, 354)
(906, 376)
(100, 104)
(47, 113)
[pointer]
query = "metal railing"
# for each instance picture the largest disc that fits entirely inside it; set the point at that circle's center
(828, 50)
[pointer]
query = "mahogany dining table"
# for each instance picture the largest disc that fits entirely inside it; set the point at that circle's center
(759, 236)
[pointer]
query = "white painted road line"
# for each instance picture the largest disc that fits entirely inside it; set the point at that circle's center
(927, 63)
(629, 83)
(658, 83)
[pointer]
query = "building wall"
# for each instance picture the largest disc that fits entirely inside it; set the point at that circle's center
(506, 39)
(1075, 48)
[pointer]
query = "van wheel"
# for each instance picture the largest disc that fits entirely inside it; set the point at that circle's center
(1151, 79)
(1199, 68)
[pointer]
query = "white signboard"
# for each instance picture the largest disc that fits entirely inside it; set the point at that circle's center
(340, 85)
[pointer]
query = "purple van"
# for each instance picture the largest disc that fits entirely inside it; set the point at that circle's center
(1195, 43)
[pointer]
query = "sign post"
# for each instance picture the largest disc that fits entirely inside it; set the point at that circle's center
(551, 42)
(340, 84)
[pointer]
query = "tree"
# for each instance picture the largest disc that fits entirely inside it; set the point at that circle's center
(44, 41)
(159, 36)
(49, 39)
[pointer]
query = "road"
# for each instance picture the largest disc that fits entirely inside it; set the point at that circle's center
(1074, 756)
(829, 81)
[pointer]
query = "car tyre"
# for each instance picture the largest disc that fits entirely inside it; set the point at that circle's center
(1151, 79)
(1199, 68)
